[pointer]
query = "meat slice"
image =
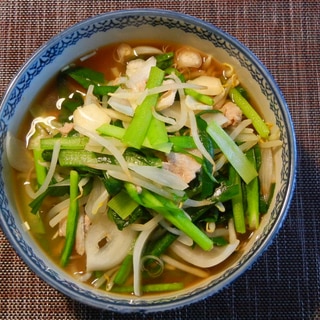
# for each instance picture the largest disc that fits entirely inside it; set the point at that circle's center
(232, 112)
(182, 165)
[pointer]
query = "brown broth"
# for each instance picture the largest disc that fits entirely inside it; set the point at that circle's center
(45, 104)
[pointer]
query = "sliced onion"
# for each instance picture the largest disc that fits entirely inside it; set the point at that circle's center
(186, 240)
(181, 266)
(96, 147)
(178, 112)
(165, 224)
(18, 155)
(120, 103)
(218, 117)
(201, 258)
(80, 233)
(146, 50)
(118, 243)
(161, 176)
(206, 259)
(90, 117)
(117, 172)
(212, 85)
(146, 183)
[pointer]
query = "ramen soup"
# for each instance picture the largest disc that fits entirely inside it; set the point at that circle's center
(147, 167)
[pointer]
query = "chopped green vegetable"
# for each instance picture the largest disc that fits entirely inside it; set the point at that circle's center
(138, 214)
(219, 241)
(85, 74)
(157, 137)
(182, 142)
(111, 131)
(237, 202)
(205, 99)
(112, 185)
(124, 271)
(84, 158)
(72, 219)
(137, 131)
(36, 203)
(164, 60)
(160, 287)
(80, 158)
(170, 212)
(207, 179)
(261, 127)
(252, 189)
(162, 244)
(172, 70)
(232, 152)
(122, 204)
(72, 143)
(86, 77)
(69, 105)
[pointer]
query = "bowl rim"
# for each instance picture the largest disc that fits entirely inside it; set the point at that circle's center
(154, 307)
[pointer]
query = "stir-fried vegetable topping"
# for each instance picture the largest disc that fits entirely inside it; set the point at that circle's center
(160, 158)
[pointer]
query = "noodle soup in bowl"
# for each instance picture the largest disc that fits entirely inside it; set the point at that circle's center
(139, 205)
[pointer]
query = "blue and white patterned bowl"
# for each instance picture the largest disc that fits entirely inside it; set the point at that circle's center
(134, 25)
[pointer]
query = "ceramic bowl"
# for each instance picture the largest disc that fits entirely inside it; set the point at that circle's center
(122, 26)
